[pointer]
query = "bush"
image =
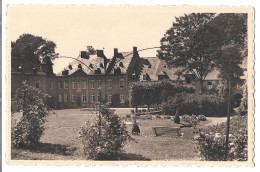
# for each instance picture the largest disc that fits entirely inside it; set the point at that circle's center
(201, 117)
(208, 104)
(27, 131)
(105, 138)
(211, 141)
(192, 120)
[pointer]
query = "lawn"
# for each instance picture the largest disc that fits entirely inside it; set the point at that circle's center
(60, 140)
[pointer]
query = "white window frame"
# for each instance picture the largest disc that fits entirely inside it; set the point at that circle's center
(109, 98)
(99, 84)
(60, 98)
(60, 84)
(66, 82)
(74, 84)
(92, 97)
(83, 85)
(72, 98)
(210, 86)
(78, 85)
(122, 98)
(92, 84)
(123, 81)
(84, 97)
(111, 84)
(66, 97)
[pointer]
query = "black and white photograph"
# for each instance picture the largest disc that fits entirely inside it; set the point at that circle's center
(130, 84)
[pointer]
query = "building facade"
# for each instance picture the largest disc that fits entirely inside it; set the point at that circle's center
(91, 79)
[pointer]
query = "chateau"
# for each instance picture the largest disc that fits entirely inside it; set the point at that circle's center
(91, 79)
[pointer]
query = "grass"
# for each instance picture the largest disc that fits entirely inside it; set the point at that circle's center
(60, 141)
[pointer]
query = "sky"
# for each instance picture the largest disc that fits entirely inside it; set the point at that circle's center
(73, 28)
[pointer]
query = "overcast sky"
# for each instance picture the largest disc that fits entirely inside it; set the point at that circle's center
(72, 29)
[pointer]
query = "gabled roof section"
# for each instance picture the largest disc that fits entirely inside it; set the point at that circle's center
(92, 66)
(121, 62)
(153, 66)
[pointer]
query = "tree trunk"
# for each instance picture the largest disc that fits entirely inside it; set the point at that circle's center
(201, 86)
(228, 119)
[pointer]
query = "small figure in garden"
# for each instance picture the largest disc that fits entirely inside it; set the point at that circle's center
(177, 117)
(135, 129)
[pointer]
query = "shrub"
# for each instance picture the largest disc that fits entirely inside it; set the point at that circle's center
(211, 141)
(201, 117)
(105, 138)
(128, 116)
(132, 111)
(27, 131)
(208, 104)
(190, 119)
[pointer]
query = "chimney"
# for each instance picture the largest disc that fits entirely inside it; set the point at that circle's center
(134, 49)
(83, 54)
(100, 53)
(115, 51)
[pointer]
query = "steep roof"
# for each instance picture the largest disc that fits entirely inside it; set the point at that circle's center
(121, 61)
(153, 66)
(88, 66)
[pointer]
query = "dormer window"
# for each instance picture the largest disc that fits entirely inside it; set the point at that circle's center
(188, 80)
(101, 65)
(98, 71)
(79, 66)
(121, 64)
(70, 67)
(91, 65)
(145, 77)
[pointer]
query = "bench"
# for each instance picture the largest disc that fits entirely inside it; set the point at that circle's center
(168, 131)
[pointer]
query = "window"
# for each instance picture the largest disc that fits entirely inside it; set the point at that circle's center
(99, 97)
(99, 85)
(92, 84)
(121, 83)
(37, 85)
(73, 98)
(66, 97)
(109, 98)
(92, 97)
(78, 85)
(144, 77)
(188, 80)
(60, 85)
(133, 77)
(122, 98)
(51, 86)
(210, 85)
(74, 85)
(66, 84)
(109, 83)
(84, 97)
(83, 85)
(60, 98)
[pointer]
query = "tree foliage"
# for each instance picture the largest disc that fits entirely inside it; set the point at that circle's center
(198, 43)
(147, 93)
(30, 127)
(105, 137)
(32, 49)
(186, 47)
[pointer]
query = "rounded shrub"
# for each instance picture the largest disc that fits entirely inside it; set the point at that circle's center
(105, 137)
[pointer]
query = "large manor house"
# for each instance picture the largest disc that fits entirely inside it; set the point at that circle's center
(91, 79)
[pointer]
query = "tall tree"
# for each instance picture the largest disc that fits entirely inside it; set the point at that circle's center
(32, 49)
(186, 47)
